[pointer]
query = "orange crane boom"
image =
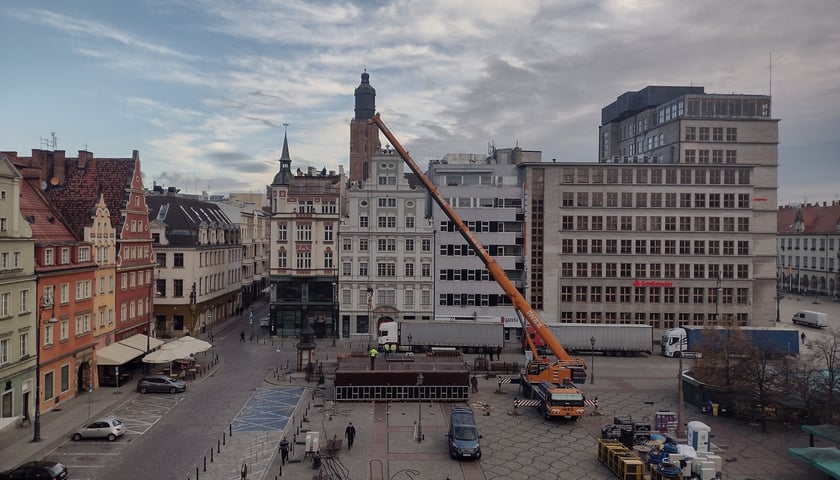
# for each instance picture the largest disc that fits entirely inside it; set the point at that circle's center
(498, 273)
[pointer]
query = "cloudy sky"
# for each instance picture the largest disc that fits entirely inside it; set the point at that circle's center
(202, 88)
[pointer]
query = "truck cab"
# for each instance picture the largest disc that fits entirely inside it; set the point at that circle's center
(463, 434)
(674, 342)
(561, 401)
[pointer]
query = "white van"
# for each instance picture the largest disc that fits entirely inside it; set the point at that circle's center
(810, 319)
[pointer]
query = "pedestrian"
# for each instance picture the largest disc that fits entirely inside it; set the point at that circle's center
(499, 353)
(350, 434)
(284, 450)
(803, 338)
(242, 336)
(474, 383)
(373, 354)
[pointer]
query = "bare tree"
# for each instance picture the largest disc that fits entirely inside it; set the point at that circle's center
(826, 353)
(757, 372)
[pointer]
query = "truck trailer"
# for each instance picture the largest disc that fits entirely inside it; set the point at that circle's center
(418, 337)
(687, 341)
(617, 340)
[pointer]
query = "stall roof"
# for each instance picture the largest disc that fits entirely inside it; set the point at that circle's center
(117, 354)
(138, 341)
(827, 432)
(825, 459)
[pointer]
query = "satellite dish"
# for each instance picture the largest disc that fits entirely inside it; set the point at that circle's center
(54, 181)
(43, 185)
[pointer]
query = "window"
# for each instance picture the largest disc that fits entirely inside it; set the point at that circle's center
(425, 245)
(65, 378)
(178, 261)
(64, 330)
(65, 256)
(363, 221)
(704, 134)
(386, 269)
(64, 293)
(409, 222)
(48, 256)
(328, 232)
(690, 134)
(304, 232)
(303, 260)
(84, 254)
(328, 259)
(409, 269)
(731, 134)
(717, 134)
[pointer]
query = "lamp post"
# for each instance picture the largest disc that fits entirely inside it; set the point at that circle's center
(718, 291)
(335, 312)
(410, 347)
(778, 297)
(419, 407)
(592, 373)
(192, 308)
(36, 433)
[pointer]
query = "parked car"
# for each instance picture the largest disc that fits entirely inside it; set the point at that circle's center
(108, 427)
(37, 470)
(161, 383)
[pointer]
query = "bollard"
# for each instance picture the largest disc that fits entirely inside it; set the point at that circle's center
(230, 427)
(211, 455)
(223, 438)
(205, 463)
(196, 473)
(218, 446)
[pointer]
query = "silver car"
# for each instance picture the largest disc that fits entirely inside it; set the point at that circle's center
(161, 383)
(108, 427)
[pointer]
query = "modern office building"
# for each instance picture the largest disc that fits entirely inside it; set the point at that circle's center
(486, 192)
(387, 253)
(675, 224)
(809, 249)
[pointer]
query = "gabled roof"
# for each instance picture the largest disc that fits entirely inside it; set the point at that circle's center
(817, 219)
(46, 223)
(183, 217)
(84, 180)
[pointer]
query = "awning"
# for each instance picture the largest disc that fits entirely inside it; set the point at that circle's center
(117, 354)
(139, 342)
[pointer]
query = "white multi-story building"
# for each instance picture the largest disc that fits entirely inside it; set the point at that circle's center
(387, 249)
(674, 226)
(486, 192)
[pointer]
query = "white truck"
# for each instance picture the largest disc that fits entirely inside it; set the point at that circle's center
(468, 337)
(618, 340)
(810, 319)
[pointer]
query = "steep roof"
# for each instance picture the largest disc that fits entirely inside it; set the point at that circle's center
(84, 179)
(816, 218)
(183, 217)
(47, 224)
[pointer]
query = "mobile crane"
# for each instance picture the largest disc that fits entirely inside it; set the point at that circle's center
(565, 369)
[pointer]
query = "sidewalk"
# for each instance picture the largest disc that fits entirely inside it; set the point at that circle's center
(16, 445)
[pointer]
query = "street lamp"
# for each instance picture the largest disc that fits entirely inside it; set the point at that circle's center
(592, 373)
(410, 347)
(718, 291)
(47, 303)
(419, 407)
(335, 312)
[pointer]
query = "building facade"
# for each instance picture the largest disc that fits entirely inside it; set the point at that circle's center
(198, 278)
(304, 210)
(674, 226)
(387, 240)
(808, 261)
(487, 193)
(18, 302)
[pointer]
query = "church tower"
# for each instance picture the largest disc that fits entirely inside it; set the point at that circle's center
(364, 138)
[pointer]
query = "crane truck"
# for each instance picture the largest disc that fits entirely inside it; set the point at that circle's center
(565, 370)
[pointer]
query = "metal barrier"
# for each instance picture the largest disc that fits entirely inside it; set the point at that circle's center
(445, 393)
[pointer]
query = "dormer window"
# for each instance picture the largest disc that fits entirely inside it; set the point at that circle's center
(49, 256)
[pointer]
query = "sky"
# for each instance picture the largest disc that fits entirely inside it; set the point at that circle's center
(203, 88)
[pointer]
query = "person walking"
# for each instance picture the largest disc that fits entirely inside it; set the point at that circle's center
(474, 383)
(284, 450)
(373, 354)
(803, 338)
(242, 336)
(350, 434)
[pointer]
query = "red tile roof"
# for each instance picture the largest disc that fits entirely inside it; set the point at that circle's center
(817, 218)
(47, 224)
(84, 179)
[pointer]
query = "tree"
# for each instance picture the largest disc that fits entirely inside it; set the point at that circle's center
(757, 374)
(825, 351)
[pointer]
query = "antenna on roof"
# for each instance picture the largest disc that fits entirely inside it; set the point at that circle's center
(50, 143)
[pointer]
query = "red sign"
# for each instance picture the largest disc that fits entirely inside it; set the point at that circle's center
(651, 283)
(760, 199)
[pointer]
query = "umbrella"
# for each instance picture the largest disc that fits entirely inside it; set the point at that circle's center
(166, 355)
(192, 344)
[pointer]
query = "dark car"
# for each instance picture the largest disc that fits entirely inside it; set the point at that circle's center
(161, 383)
(37, 470)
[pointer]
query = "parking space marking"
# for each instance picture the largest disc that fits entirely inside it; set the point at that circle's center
(268, 409)
(143, 412)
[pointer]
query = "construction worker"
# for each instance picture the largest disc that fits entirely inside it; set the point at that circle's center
(373, 354)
